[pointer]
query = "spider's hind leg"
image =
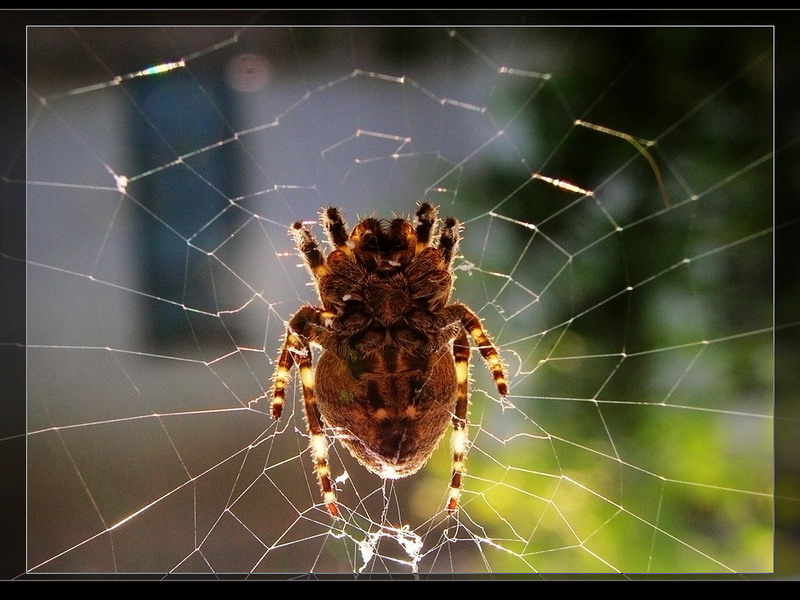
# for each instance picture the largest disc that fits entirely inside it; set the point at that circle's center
(460, 439)
(474, 328)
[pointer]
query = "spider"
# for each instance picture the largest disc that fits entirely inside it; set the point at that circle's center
(394, 368)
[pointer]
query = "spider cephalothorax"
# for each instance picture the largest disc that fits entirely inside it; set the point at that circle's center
(394, 367)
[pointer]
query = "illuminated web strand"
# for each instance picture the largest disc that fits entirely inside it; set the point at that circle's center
(158, 69)
(154, 70)
(640, 147)
(523, 73)
(564, 185)
(403, 141)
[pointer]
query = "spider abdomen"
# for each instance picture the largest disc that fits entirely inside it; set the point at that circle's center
(390, 421)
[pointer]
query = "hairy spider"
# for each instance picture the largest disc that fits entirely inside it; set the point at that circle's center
(394, 367)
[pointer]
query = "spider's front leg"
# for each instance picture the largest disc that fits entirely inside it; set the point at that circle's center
(448, 240)
(308, 247)
(307, 325)
(426, 222)
(336, 227)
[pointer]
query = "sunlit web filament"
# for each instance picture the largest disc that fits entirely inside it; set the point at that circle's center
(636, 144)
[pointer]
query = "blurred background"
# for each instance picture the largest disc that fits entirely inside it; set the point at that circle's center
(638, 435)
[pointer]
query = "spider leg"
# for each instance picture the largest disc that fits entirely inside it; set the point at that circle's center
(335, 225)
(460, 440)
(448, 240)
(426, 220)
(307, 324)
(472, 323)
(280, 380)
(308, 246)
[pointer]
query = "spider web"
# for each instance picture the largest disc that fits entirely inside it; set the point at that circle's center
(615, 187)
